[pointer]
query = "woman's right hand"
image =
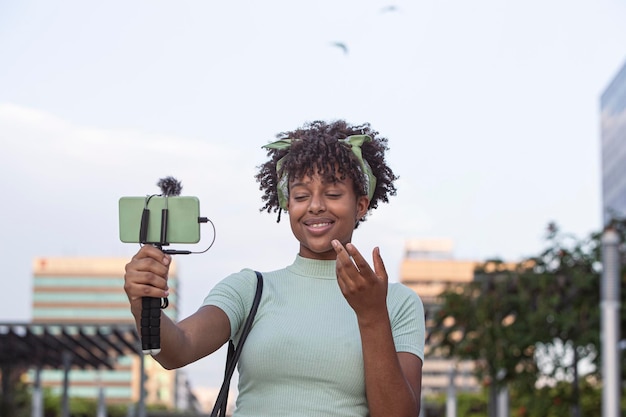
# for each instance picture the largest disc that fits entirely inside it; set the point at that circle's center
(146, 275)
(182, 342)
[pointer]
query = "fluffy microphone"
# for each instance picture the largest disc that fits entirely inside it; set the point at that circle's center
(170, 186)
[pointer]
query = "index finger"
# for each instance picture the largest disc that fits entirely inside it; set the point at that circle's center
(350, 256)
(357, 259)
(149, 251)
(343, 257)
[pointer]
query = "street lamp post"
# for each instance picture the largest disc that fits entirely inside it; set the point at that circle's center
(609, 308)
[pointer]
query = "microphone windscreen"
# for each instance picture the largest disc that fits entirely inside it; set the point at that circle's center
(170, 186)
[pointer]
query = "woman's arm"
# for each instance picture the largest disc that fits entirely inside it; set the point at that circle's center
(392, 380)
(199, 335)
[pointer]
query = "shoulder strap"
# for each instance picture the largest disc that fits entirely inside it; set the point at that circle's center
(219, 409)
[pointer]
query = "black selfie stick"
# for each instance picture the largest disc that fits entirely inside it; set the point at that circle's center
(151, 306)
(150, 325)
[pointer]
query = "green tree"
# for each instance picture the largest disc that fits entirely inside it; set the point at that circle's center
(568, 275)
(537, 319)
(485, 321)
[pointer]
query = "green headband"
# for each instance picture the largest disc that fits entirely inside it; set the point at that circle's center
(355, 142)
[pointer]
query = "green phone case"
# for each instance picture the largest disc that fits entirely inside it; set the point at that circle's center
(182, 219)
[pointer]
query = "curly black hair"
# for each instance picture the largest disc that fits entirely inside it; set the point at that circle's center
(316, 149)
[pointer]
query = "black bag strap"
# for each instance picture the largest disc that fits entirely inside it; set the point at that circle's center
(219, 409)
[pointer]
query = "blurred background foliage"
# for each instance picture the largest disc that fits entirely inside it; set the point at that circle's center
(533, 327)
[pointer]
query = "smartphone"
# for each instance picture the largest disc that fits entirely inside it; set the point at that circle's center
(182, 219)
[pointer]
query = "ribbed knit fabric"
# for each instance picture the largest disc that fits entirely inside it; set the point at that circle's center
(303, 355)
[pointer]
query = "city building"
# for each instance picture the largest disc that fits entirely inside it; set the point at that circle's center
(84, 291)
(613, 149)
(428, 268)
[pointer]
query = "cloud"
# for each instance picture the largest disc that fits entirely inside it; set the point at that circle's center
(43, 149)
(64, 182)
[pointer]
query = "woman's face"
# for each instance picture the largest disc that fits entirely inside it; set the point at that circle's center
(320, 212)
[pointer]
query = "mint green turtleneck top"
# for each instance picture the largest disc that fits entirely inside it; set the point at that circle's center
(303, 355)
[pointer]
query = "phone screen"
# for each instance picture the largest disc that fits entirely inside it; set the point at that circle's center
(182, 219)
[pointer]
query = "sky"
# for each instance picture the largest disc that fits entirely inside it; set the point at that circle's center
(491, 109)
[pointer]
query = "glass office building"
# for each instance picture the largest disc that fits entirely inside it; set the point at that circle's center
(613, 145)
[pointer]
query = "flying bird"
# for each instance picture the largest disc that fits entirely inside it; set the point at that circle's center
(341, 46)
(390, 8)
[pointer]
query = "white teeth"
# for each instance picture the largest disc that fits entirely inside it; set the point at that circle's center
(317, 225)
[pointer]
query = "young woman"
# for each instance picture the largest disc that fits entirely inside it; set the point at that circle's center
(331, 336)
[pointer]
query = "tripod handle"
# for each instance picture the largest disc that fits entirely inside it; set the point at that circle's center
(151, 325)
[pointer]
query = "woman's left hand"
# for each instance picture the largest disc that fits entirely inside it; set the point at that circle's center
(364, 289)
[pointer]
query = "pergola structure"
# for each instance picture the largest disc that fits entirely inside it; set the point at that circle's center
(62, 346)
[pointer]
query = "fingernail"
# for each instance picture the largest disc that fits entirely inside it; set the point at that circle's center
(166, 260)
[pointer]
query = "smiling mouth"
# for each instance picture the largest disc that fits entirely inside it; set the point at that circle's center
(319, 225)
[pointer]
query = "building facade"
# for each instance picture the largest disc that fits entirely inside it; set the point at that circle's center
(90, 291)
(428, 268)
(613, 149)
